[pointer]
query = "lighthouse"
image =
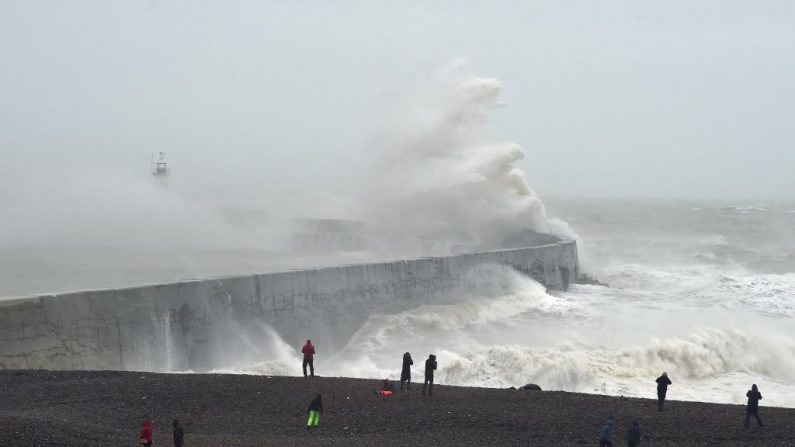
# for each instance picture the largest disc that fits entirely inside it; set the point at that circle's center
(159, 167)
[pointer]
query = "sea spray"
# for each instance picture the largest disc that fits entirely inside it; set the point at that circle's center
(439, 176)
(437, 187)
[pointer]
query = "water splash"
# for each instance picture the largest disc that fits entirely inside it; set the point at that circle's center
(440, 176)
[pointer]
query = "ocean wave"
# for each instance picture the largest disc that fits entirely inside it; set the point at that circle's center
(528, 296)
(770, 294)
(703, 355)
(714, 363)
(663, 278)
(710, 364)
(750, 208)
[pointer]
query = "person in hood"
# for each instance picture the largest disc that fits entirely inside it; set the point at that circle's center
(314, 411)
(662, 388)
(179, 434)
(146, 432)
(309, 357)
(405, 373)
(430, 367)
(752, 409)
(633, 435)
(607, 431)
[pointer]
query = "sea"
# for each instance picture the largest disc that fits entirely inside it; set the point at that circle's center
(702, 290)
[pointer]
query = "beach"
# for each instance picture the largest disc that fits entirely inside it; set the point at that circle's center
(102, 408)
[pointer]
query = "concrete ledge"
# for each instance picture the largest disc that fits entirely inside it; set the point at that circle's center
(204, 324)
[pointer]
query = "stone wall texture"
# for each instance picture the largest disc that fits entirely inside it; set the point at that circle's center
(202, 325)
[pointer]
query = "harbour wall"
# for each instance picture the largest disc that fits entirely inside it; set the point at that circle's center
(201, 325)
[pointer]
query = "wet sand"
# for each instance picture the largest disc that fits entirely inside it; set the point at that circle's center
(80, 408)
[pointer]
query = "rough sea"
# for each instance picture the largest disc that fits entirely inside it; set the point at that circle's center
(702, 290)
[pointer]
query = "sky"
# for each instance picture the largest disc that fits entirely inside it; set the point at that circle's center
(252, 99)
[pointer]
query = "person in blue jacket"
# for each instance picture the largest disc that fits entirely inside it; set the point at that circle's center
(633, 435)
(604, 437)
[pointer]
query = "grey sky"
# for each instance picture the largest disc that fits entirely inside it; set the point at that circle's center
(614, 98)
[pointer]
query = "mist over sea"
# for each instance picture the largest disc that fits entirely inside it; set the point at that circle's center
(702, 290)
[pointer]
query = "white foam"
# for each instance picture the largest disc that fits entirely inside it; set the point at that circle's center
(714, 365)
(768, 293)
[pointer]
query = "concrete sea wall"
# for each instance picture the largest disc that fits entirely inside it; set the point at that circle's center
(202, 325)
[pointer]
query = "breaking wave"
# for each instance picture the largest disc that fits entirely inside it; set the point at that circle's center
(439, 175)
(706, 293)
(591, 339)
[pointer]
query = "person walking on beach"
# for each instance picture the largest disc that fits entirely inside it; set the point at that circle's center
(752, 409)
(145, 439)
(179, 434)
(662, 387)
(604, 437)
(633, 435)
(430, 367)
(314, 411)
(405, 373)
(309, 357)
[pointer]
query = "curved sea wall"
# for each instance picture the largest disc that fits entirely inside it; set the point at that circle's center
(202, 325)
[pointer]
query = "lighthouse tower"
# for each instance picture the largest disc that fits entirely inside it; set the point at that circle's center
(159, 167)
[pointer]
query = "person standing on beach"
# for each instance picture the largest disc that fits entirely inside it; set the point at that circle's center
(145, 439)
(430, 367)
(309, 357)
(633, 435)
(752, 409)
(179, 434)
(662, 388)
(314, 411)
(604, 437)
(405, 374)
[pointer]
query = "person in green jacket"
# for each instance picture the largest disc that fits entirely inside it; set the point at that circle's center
(314, 411)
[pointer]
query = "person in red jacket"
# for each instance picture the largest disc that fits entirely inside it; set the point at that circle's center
(146, 432)
(309, 357)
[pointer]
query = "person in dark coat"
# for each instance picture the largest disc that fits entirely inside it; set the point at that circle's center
(752, 409)
(145, 439)
(430, 367)
(179, 434)
(633, 435)
(309, 357)
(405, 373)
(314, 411)
(662, 387)
(604, 436)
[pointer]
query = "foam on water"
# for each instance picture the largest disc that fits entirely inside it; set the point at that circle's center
(770, 294)
(590, 339)
(714, 325)
(708, 297)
